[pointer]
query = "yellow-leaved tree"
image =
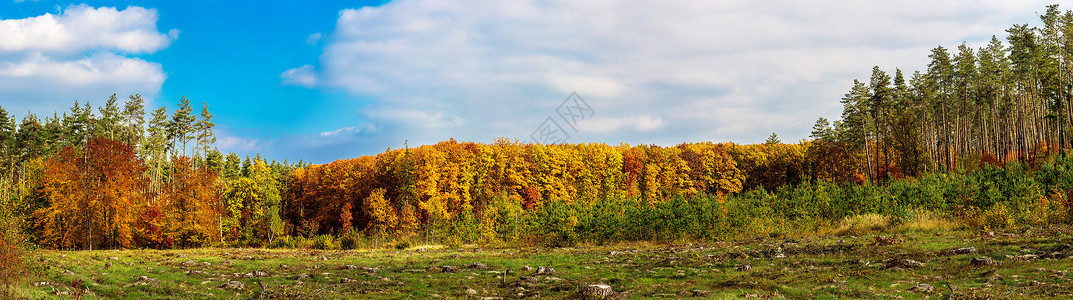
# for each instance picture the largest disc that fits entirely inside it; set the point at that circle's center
(382, 216)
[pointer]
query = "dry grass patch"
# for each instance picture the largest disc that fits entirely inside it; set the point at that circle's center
(861, 224)
(926, 221)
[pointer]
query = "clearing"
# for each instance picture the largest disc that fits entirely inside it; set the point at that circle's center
(1023, 263)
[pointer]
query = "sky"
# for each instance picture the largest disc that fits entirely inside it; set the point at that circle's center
(326, 80)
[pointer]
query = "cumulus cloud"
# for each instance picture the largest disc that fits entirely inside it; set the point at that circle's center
(82, 53)
(80, 28)
(654, 72)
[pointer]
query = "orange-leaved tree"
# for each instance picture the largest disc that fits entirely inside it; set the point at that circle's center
(94, 195)
(191, 205)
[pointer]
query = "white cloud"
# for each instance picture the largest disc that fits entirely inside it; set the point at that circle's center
(238, 144)
(49, 61)
(654, 72)
(313, 39)
(418, 119)
(301, 76)
(347, 131)
(80, 28)
(642, 123)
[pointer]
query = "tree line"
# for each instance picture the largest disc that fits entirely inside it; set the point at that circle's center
(110, 179)
(1002, 102)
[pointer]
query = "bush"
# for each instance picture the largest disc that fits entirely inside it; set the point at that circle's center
(349, 240)
(400, 244)
(13, 264)
(282, 242)
(323, 242)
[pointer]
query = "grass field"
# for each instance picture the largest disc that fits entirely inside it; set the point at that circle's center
(1025, 263)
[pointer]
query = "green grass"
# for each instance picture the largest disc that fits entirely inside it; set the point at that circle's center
(824, 267)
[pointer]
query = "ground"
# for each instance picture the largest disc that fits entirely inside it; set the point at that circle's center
(1022, 263)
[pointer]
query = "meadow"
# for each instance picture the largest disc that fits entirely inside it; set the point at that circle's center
(880, 262)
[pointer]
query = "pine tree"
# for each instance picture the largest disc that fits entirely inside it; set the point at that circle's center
(108, 124)
(205, 137)
(181, 129)
(134, 120)
(822, 130)
(157, 146)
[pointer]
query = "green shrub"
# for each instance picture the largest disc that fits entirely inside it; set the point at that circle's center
(300, 242)
(323, 242)
(400, 244)
(282, 242)
(349, 240)
(13, 255)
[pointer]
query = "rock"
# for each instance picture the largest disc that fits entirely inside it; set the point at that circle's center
(348, 267)
(431, 268)
(595, 291)
(449, 269)
(966, 250)
(282, 266)
(113, 258)
(477, 266)
(256, 274)
(145, 280)
(922, 288)
(370, 270)
(187, 263)
(345, 280)
(1034, 283)
(701, 293)
(195, 272)
(542, 270)
(780, 255)
(982, 261)
(744, 268)
(303, 276)
(68, 272)
(233, 285)
(470, 291)
(1028, 257)
(527, 268)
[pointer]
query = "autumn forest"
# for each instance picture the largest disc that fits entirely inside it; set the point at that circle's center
(981, 138)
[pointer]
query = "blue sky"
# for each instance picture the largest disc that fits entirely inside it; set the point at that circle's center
(324, 80)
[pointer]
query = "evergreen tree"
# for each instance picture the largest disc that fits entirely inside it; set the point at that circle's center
(822, 131)
(205, 137)
(773, 139)
(181, 128)
(108, 125)
(157, 145)
(134, 120)
(232, 166)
